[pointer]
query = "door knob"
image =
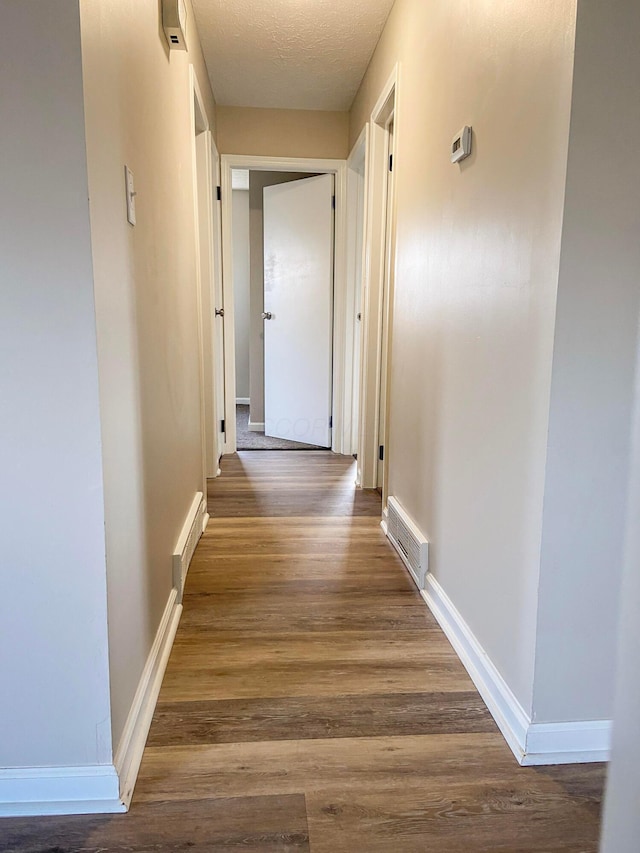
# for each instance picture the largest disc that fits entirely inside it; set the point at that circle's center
(266, 315)
(219, 312)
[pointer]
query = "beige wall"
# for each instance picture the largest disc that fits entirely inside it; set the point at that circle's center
(478, 249)
(282, 133)
(621, 822)
(54, 679)
(593, 374)
(620, 29)
(138, 112)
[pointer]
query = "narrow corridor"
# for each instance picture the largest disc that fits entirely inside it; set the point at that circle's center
(311, 702)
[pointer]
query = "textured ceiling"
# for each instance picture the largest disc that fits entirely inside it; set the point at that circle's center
(289, 54)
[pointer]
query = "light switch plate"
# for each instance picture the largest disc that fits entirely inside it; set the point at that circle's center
(131, 196)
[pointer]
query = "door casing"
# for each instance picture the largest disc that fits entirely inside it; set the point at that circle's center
(356, 191)
(378, 266)
(201, 171)
(342, 292)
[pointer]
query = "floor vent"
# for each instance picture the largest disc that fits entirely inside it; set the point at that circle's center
(408, 542)
(187, 541)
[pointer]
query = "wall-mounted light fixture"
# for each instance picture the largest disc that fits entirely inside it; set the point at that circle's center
(174, 23)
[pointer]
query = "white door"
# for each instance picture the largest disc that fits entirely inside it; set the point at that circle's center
(218, 316)
(298, 301)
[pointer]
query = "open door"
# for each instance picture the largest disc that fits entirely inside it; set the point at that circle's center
(298, 309)
(219, 370)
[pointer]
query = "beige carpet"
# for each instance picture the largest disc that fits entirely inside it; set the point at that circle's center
(258, 440)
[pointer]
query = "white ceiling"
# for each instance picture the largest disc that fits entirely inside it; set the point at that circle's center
(289, 54)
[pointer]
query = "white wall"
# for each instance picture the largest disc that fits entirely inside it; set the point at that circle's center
(593, 374)
(138, 112)
(240, 229)
(53, 655)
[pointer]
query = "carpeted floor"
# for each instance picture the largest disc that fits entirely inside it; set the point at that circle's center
(258, 440)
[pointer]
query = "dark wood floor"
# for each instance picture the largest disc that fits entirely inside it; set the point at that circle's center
(311, 702)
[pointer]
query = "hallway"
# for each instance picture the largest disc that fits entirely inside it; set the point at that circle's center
(311, 702)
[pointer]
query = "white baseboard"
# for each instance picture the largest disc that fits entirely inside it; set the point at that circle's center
(532, 743)
(134, 736)
(255, 427)
(568, 743)
(242, 401)
(192, 529)
(28, 791)
(511, 718)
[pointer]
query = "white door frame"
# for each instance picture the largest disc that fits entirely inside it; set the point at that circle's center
(356, 201)
(340, 287)
(374, 278)
(201, 173)
(219, 372)
(387, 317)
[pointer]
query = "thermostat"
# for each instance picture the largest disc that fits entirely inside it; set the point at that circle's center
(174, 23)
(461, 145)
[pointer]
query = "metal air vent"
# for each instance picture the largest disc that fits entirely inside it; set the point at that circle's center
(408, 541)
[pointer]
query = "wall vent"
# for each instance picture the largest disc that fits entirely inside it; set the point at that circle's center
(187, 541)
(408, 542)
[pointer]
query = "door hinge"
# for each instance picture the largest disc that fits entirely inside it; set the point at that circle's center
(391, 162)
(222, 427)
(381, 453)
(333, 202)
(331, 422)
(219, 193)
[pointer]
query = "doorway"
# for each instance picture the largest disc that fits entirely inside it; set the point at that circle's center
(206, 173)
(283, 230)
(377, 293)
(283, 282)
(387, 289)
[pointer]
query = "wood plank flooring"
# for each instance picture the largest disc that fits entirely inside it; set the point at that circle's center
(311, 702)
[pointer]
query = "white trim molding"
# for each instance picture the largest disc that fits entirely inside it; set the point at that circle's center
(194, 526)
(242, 401)
(532, 743)
(229, 162)
(255, 426)
(91, 789)
(101, 788)
(374, 272)
(134, 736)
(568, 743)
(200, 124)
(356, 190)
